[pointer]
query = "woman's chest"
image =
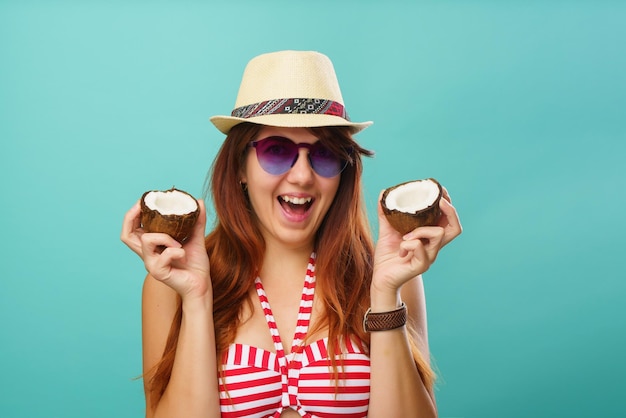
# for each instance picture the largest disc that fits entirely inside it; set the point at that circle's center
(283, 324)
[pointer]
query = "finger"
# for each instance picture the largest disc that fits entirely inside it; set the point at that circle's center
(445, 194)
(452, 224)
(161, 267)
(435, 243)
(431, 238)
(172, 254)
(153, 248)
(414, 249)
(424, 232)
(131, 220)
(131, 228)
(153, 243)
(429, 235)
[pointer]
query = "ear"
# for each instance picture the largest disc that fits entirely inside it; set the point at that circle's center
(243, 181)
(243, 178)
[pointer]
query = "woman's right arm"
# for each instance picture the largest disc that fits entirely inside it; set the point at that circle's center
(192, 390)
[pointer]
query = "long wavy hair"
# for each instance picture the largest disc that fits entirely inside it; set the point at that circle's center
(236, 247)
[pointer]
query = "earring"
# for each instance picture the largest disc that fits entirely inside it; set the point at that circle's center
(244, 186)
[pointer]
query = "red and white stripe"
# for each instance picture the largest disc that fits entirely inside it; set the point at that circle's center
(258, 383)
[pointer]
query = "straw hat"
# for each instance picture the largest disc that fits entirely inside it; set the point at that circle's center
(289, 89)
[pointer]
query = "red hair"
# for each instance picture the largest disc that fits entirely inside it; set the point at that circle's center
(235, 247)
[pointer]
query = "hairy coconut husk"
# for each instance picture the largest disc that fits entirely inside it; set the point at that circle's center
(405, 221)
(178, 226)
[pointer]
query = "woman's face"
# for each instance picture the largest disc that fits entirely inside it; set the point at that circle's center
(290, 207)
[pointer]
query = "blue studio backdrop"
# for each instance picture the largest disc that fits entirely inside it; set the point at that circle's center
(517, 107)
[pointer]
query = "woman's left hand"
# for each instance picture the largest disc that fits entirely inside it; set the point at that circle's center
(399, 258)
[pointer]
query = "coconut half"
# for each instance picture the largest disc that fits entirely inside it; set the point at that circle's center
(412, 204)
(173, 212)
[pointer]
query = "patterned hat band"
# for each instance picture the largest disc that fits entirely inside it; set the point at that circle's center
(291, 106)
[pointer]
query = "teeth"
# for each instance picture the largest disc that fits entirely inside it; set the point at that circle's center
(296, 200)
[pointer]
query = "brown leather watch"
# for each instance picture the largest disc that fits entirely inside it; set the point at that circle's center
(385, 321)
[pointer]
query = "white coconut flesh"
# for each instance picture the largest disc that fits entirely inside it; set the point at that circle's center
(412, 197)
(171, 202)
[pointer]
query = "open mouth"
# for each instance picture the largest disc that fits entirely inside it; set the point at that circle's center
(295, 205)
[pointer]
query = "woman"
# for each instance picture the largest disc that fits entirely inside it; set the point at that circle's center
(286, 308)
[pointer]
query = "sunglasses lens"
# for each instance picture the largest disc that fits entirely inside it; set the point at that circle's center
(277, 155)
(325, 162)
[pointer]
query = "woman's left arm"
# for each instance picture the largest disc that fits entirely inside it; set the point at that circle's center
(396, 387)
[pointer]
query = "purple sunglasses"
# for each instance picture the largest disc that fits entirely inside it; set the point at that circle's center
(277, 154)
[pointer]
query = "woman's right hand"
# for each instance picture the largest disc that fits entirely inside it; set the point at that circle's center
(184, 268)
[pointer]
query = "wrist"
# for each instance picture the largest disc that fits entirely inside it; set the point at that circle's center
(384, 299)
(385, 321)
(200, 304)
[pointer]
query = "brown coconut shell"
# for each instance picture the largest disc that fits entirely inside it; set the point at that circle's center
(178, 227)
(405, 222)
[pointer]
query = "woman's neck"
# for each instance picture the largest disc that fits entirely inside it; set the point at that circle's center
(283, 265)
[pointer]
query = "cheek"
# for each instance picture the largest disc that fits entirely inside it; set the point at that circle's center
(331, 192)
(260, 189)
(257, 195)
(248, 162)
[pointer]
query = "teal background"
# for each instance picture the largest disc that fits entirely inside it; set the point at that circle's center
(517, 107)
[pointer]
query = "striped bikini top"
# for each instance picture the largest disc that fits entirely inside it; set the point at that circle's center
(258, 383)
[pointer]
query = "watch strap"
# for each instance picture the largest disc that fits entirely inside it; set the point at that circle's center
(385, 321)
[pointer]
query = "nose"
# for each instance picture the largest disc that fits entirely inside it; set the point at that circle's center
(301, 171)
